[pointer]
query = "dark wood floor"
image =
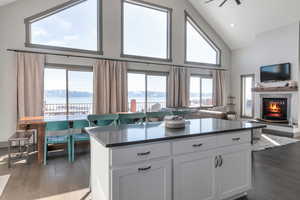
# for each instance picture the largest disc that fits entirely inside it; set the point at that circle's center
(276, 177)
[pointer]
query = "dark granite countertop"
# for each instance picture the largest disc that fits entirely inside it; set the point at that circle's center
(113, 136)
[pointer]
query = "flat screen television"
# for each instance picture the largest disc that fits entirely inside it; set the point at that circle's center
(280, 72)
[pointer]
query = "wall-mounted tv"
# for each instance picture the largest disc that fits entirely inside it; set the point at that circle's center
(280, 72)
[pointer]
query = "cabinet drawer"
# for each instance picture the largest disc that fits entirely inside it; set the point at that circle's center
(193, 145)
(234, 138)
(144, 152)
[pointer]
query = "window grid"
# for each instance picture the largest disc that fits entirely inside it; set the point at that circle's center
(147, 74)
(68, 68)
(201, 78)
(246, 88)
(189, 19)
(169, 28)
(29, 20)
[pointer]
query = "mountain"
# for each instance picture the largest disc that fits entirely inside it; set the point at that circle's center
(62, 93)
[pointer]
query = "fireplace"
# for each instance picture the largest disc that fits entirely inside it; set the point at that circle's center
(275, 109)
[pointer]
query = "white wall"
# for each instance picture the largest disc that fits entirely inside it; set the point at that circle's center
(272, 47)
(12, 35)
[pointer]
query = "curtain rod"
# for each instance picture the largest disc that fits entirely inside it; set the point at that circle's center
(114, 59)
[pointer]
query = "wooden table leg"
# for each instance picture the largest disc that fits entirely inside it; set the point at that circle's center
(40, 143)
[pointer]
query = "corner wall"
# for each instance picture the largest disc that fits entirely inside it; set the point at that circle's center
(273, 47)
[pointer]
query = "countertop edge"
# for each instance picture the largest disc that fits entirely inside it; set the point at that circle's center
(172, 137)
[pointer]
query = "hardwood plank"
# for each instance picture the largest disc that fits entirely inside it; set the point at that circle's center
(276, 176)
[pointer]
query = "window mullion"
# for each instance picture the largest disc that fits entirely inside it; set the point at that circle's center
(67, 90)
(146, 92)
(200, 91)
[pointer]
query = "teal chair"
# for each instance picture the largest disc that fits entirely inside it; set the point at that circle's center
(156, 116)
(103, 120)
(78, 137)
(131, 118)
(57, 139)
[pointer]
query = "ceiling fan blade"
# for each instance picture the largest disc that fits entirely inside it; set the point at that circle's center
(223, 3)
(238, 2)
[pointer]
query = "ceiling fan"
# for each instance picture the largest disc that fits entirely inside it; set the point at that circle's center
(238, 2)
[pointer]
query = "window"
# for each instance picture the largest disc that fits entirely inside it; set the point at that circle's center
(201, 91)
(147, 91)
(146, 30)
(72, 26)
(199, 48)
(247, 83)
(68, 90)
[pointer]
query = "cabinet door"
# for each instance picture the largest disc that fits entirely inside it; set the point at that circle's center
(194, 176)
(149, 181)
(234, 173)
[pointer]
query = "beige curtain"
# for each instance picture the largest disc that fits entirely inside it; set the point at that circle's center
(218, 88)
(110, 87)
(30, 83)
(178, 87)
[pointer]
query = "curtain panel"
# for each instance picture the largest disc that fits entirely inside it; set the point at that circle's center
(218, 88)
(110, 87)
(30, 84)
(178, 87)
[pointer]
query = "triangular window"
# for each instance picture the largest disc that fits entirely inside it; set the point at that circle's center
(72, 26)
(199, 48)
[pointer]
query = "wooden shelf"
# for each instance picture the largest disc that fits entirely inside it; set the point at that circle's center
(275, 89)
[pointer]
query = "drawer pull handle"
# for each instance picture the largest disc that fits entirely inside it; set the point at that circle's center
(221, 161)
(216, 161)
(197, 145)
(144, 169)
(236, 139)
(144, 153)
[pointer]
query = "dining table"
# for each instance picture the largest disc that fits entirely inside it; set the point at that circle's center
(39, 124)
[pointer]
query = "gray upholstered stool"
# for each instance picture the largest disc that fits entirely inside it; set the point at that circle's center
(20, 139)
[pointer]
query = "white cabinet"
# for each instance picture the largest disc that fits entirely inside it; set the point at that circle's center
(194, 176)
(147, 181)
(213, 175)
(214, 167)
(234, 174)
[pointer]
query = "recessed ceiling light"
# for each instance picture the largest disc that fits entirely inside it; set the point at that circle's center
(232, 25)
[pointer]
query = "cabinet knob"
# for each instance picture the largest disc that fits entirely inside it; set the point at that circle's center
(144, 168)
(144, 153)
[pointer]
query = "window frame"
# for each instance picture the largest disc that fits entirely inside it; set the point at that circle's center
(68, 67)
(52, 11)
(193, 22)
(169, 30)
(150, 73)
(242, 99)
(201, 76)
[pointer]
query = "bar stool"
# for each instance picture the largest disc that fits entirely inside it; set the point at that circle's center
(22, 139)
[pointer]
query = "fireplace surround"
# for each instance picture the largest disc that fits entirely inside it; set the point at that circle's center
(275, 108)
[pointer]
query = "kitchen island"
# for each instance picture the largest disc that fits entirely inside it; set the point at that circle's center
(209, 159)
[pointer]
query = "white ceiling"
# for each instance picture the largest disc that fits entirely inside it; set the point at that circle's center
(4, 2)
(249, 19)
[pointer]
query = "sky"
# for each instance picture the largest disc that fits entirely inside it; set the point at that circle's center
(71, 28)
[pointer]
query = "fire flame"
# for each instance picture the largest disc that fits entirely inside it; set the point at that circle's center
(274, 107)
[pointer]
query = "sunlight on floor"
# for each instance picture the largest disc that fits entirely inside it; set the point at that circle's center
(270, 140)
(74, 195)
(3, 182)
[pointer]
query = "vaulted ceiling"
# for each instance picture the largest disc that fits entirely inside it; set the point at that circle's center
(4, 2)
(238, 25)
